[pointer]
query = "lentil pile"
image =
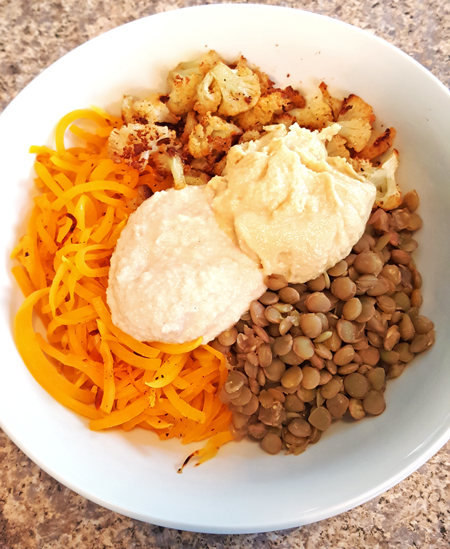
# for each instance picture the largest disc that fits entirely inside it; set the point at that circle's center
(308, 354)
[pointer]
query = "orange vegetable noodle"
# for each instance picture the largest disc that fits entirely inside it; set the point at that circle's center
(78, 355)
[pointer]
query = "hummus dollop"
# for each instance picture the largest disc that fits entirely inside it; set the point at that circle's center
(175, 276)
(288, 205)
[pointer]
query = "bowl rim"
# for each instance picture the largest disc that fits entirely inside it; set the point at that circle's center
(439, 437)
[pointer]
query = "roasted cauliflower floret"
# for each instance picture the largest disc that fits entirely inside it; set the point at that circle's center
(249, 135)
(212, 136)
(239, 87)
(209, 95)
(168, 161)
(315, 115)
(355, 119)
(336, 147)
(335, 104)
(379, 145)
(195, 177)
(134, 143)
(191, 122)
(275, 102)
(265, 83)
(356, 132)
(184, 80)
(360, 165)
(147, 111)
(389, 195)
(354, 107)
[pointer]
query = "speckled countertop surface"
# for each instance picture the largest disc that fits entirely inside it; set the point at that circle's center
(38, 512)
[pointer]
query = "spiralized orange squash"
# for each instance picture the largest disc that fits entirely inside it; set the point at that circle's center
(84, 361)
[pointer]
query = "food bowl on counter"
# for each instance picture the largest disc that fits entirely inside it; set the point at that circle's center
(242, 489)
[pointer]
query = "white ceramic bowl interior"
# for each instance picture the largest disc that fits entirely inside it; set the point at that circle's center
(242, 489)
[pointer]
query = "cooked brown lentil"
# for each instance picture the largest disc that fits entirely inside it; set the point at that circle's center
(307, 354)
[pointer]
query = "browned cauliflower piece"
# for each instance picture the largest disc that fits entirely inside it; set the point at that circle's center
(195, 177)
(275, 102)
(265, 83)
(249, 135)
(315, 115)
(184, 80)
(133, 143)
(211, 136)
(356, 132)
(389, 195)
(335, 104)
(336, 147)
(209, 95)
(239, 87)
(167, 161)
(191, 122)
(147, 111)
(354, 107)
(355, 119)
(360, 165)
(379, 145)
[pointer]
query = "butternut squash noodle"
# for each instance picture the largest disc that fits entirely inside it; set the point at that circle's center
(84, 361)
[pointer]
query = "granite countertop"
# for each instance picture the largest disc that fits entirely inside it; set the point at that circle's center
(38, 512)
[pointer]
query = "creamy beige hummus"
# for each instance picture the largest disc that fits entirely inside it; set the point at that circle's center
(175, 276)
(288, 205)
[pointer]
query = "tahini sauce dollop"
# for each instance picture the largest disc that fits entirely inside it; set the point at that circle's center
(288, 205)
(175, 276)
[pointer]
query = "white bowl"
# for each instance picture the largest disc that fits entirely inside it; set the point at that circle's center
(242, 489)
